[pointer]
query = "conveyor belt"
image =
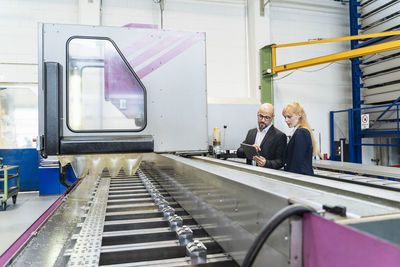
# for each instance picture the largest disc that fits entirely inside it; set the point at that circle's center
(387, 195)
(359, 168)
(127, 226)
(113, 221)
(359, 179)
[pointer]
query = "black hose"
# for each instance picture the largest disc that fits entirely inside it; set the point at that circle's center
(62, 177)
(274, 222)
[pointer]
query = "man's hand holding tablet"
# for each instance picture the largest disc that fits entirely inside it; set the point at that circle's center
(249, 150)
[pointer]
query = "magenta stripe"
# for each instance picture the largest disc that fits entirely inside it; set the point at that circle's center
(170, 55)
(22, 239)
(141, 43)
(329, 244)
(142, 26)
(163, 44)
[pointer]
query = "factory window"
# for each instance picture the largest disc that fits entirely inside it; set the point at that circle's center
(18, 116)
(103, 92)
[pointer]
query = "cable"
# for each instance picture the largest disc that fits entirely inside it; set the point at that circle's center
(271, 225)
(344, 64)
(161, 3)
(284, 76)
(324, 67)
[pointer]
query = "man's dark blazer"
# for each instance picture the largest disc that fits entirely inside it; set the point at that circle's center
(272, 147)
(299, 152)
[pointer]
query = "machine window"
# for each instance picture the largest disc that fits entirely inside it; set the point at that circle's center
(103, 92)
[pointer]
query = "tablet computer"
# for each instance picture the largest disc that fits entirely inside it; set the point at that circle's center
(249, 150)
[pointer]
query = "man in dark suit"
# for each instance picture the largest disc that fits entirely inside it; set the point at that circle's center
(269, 141)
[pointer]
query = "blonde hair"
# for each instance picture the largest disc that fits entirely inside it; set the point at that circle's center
(295, 108)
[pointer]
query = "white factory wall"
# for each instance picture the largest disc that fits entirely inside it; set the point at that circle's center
(233, 120)
(235, 32)
(18, 64)
(224, 23)
(18, 28)
(319, 89)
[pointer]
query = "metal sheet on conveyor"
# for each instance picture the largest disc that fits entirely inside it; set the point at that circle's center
(378, 17)
(387, 54)
(212, 260)
(381, 183)
(381, 66)
(384, 125)
(223, 203)
(286, 183)
(364, 2)
(381, 98)
(331, 188)
(381, 79)
(374, 7)
(382, 89)
(359, 168)
(375, 113)
(390, 24)
(113, 228)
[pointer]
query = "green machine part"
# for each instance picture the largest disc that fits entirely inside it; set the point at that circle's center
(267, 89)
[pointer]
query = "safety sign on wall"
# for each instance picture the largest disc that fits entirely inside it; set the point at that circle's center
(364, 121)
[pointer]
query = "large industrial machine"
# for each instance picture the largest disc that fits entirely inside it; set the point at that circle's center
(141, 93)
(109, 89)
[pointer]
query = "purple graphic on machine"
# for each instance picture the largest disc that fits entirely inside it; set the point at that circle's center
(146, 55)
(122, 88)
(329, 244)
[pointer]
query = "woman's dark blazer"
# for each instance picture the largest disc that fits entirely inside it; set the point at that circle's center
(299, 152)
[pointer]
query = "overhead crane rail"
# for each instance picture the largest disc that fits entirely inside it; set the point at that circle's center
(358, 52)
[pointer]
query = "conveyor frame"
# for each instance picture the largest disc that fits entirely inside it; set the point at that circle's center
(230, 201)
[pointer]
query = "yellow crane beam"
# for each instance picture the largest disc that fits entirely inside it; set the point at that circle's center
(338, 39)
(338, 56)
(359, 52)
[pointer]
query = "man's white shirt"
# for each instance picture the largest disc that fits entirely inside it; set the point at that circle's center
(291, 133)
(259, 137)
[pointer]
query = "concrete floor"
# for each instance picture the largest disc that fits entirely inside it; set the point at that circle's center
(17, 218)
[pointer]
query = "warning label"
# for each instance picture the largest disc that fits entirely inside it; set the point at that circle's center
(364, 121)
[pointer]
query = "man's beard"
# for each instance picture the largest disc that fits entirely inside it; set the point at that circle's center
(262, 126)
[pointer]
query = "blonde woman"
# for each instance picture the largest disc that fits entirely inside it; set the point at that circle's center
(301, 146)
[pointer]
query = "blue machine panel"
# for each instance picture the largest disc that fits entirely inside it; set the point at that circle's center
(28, 161)
(49, 183)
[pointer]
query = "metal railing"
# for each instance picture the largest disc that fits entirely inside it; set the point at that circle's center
(371, 132)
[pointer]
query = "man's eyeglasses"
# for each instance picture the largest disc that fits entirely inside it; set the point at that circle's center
(262, 117)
